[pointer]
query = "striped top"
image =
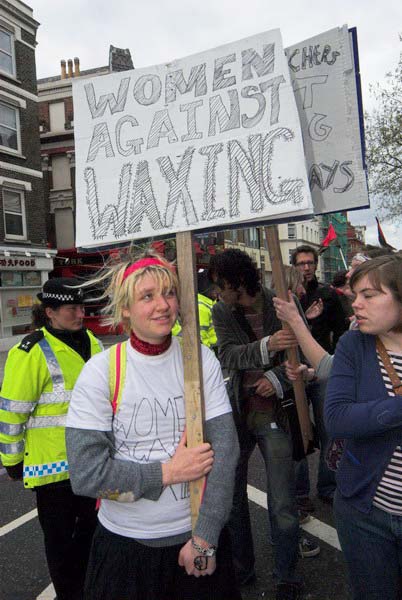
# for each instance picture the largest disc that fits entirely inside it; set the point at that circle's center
(388, 496)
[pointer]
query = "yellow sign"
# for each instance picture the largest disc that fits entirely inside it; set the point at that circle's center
(24, 301)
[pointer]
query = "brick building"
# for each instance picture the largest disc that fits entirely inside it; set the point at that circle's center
(25, 260)
(356, 239)
(56, 125)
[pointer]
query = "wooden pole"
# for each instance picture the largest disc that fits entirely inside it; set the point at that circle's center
(281, 290)
(343, 257)
(193, 388)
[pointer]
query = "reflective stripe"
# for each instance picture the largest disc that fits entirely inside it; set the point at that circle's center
(14, 448)
(11, 428)
(204, 327)
(55, 397)
(53, 366)
(47, 469)
(16, 406)
(205, 304)
(42, 422)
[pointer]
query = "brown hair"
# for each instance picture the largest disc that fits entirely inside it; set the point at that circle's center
(39, 316)
(382, 271)
(305, 250)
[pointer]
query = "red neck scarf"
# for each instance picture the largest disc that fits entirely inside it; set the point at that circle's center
(147, 348)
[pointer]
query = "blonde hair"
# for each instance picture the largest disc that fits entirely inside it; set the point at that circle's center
(120, 292)
(293, 278)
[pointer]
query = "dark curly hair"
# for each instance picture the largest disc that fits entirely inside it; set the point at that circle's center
(339, 279)
(236, 268)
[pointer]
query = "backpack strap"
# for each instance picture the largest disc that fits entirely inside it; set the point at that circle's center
(117, 376)
(389, 367)
(117, 373)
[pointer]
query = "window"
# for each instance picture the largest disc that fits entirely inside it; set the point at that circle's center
(251, 237)
(292, 231)
(290, 256)
(9, 127)
(61, 172)
(14, 214)
(57, 116)
(7, 62)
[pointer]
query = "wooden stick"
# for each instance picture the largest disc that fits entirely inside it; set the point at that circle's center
(193, 388)
(281, 290)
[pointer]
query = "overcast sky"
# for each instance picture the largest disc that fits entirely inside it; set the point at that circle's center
(158, 31)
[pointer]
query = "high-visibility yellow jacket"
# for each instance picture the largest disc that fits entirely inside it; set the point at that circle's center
(39, 376)
(207, 331)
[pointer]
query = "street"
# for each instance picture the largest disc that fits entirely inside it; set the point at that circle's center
(25, 575)
(24, 570)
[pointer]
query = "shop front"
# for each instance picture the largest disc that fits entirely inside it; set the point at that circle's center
(23, 271)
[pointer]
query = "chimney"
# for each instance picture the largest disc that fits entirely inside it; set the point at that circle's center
(119, 59)
(63, 69)
(70, 67)
(76, 67)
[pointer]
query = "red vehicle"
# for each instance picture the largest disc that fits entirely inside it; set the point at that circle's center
(83, 266)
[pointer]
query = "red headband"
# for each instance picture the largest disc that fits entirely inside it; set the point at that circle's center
(141, 264)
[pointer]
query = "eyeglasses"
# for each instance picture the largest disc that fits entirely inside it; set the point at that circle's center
(305, 263)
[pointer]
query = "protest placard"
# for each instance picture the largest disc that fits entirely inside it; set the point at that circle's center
(325, 81)
(209, 140)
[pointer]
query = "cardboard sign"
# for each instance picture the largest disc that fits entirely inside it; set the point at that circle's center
(198, 143)
(323, 71)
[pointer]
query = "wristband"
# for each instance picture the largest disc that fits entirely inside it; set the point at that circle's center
(210, 551)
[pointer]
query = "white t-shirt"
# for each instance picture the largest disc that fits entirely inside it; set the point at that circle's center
(147, 428)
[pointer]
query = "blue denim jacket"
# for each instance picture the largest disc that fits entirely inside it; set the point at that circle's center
(359, 409)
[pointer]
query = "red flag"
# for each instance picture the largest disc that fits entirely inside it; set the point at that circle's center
(159, 247)
(381, 237)
(331, 235)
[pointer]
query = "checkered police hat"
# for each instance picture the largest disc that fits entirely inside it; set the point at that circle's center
(61, 290)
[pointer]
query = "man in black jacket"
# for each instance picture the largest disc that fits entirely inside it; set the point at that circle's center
(330, 325)
(250, 341)
(326, 329)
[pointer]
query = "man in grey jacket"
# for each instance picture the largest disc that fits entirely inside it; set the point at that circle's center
(250, 340)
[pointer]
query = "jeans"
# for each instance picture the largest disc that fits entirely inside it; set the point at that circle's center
(276, 449)
(326, 478)
(68, 523)
(372, 546)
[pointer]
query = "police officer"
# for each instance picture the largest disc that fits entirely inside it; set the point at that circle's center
(39, 376)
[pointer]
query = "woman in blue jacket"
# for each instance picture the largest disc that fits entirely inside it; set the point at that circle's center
(364, 406)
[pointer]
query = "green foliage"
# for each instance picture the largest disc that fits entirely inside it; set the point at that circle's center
(384, 144)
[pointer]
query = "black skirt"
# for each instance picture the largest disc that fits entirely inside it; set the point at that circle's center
(122, 569)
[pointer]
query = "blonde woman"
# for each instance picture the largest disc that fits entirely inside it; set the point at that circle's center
(137, 460)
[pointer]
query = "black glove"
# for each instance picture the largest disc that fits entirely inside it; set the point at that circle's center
(15, 471)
